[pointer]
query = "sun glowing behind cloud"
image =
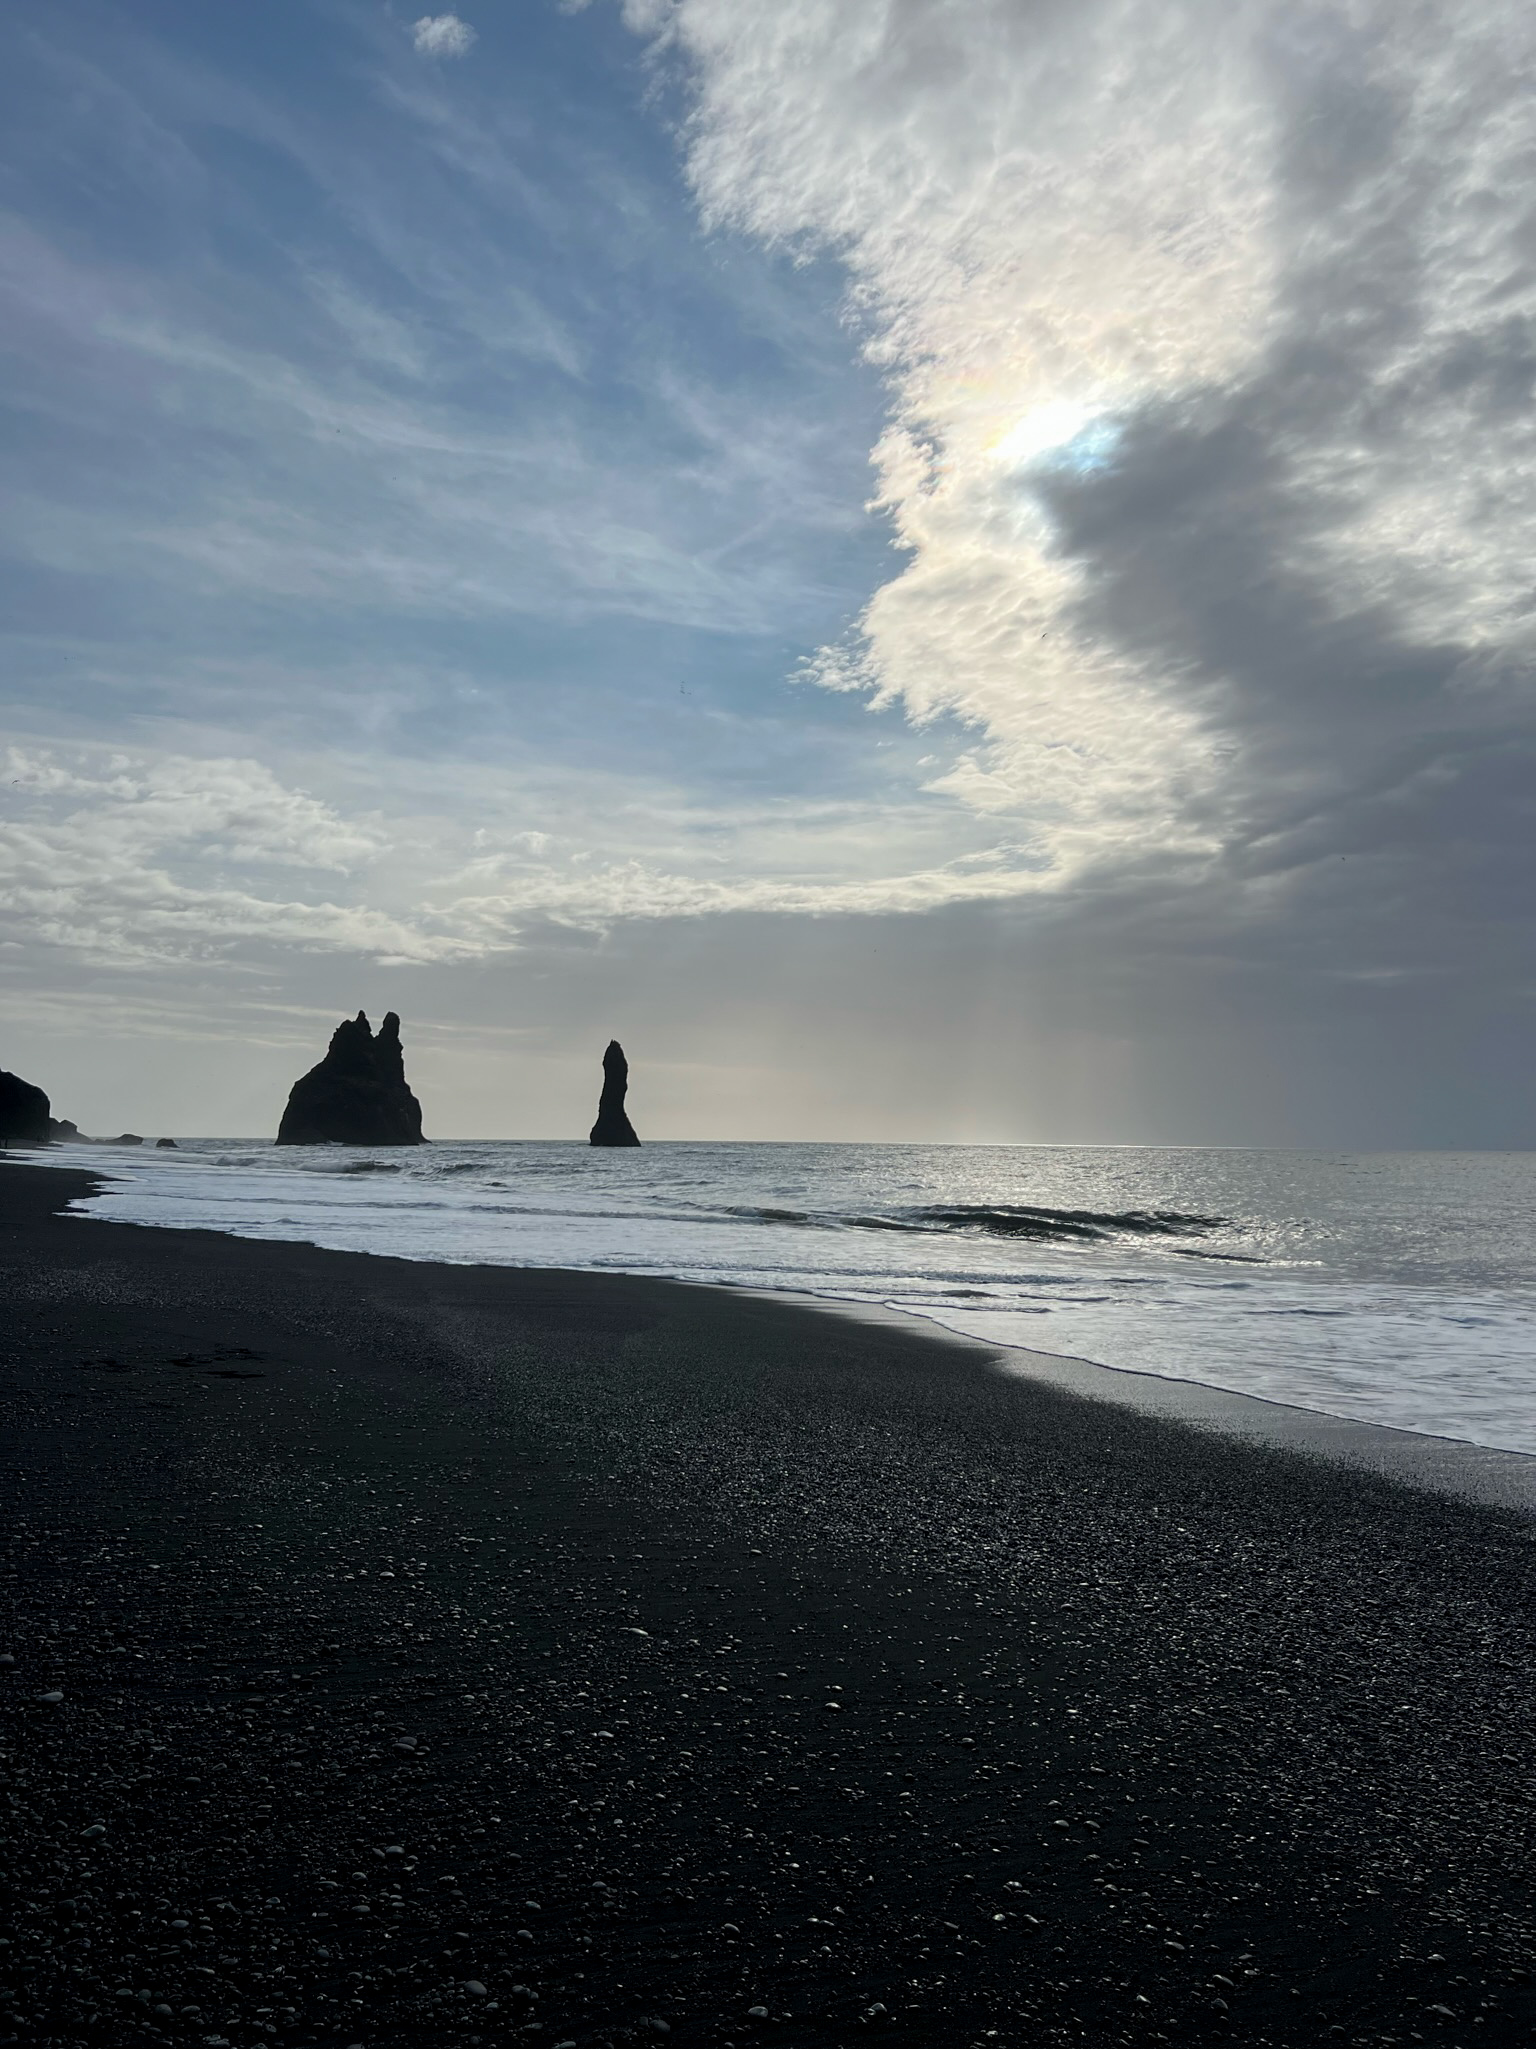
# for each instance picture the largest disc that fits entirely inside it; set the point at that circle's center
(1044, 428)
(1046, 220)
(1063, 434)
(1207, 329)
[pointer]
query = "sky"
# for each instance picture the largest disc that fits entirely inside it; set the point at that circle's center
(944, 569)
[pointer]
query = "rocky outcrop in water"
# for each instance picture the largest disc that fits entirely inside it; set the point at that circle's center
(358, 1095)
(24, 1118)
(613, 1126)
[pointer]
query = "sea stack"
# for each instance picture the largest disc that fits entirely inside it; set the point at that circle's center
(24, 1112)
(358, 1095)
(613, 1126)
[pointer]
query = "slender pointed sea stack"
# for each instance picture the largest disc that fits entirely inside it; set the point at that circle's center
(24, 1112)
(358, 1095)
(613, 1126)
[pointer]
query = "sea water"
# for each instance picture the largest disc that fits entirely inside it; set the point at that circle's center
(1395, 1288)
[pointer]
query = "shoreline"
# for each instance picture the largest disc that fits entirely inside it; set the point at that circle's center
(1460, 1467)
(467, 1648)
(1456, 1466)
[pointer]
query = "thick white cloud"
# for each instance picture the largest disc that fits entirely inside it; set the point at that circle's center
(1047, 215)
(1216, 270)
(442, 35)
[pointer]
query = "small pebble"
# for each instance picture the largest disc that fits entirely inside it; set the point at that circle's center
(298, 1824)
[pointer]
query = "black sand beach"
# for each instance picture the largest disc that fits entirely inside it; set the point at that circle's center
(427, 1655)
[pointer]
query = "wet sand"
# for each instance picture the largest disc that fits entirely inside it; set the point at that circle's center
(459, 1654)
(1444, 1465)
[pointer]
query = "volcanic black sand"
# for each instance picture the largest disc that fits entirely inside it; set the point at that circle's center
(418, 1655)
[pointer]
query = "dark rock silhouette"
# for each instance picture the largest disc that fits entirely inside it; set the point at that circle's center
(63, 1131)
(124, 1138)
(164, 1143)
(24, 1118)
(613, 1126)
(358, 1095)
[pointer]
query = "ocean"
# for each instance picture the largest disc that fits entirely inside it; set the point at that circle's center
(1393, 1288)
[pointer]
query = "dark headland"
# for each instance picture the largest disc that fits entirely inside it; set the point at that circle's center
(25, 1118)
(415, 1655)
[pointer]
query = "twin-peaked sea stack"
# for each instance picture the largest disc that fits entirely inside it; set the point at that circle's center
(358, 1095)
(613, 1126)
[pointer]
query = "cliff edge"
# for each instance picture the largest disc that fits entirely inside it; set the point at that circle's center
(24, 1112)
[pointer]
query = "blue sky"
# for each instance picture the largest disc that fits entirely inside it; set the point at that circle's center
(944, 570)
(363, 396)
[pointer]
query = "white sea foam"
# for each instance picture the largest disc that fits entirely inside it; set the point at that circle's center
(1391, 1288)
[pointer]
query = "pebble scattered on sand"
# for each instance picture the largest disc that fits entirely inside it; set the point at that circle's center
(1129, 1735)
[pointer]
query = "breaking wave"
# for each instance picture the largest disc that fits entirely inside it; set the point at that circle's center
(1067, 1225)
(1393, 1288)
